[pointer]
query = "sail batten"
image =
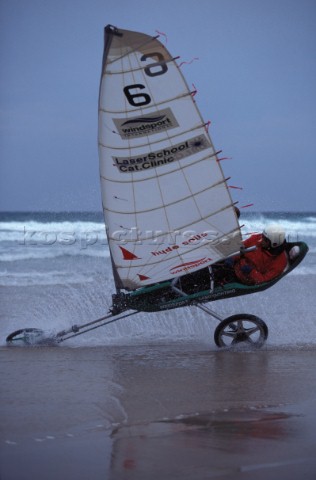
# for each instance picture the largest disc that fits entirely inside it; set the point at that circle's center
(166, 203)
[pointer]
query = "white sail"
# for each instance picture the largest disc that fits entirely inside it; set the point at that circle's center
(166, 204)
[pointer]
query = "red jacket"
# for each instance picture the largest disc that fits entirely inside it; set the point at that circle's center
(262, 264)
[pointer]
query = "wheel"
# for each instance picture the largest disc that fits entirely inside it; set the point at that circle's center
(239, 328)
(25, 336)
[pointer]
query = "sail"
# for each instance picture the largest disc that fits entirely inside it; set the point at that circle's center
(167, 208)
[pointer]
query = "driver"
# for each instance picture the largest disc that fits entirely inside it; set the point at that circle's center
(267, 261)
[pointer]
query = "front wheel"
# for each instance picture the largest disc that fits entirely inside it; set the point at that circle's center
(241, 328)
(25, 336)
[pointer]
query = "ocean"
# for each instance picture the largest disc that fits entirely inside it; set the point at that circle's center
(126, 400)
(55, 271)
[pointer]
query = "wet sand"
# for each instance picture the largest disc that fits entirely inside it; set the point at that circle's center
(181, 410)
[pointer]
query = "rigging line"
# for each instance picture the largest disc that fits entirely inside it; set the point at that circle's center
(188, 63)
(182, 199)
(141, 67)
(163, 34)
(136, 49)
(177, 169)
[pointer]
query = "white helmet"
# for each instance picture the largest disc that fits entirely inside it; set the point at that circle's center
(275, 233)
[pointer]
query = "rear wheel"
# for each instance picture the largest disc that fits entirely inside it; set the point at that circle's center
(241, 328)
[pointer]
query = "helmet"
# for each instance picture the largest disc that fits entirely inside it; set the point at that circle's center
(274, 233)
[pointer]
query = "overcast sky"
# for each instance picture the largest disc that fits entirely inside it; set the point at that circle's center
(255, 75)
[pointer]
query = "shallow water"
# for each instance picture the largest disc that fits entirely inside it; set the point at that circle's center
(56, 272)
(151, 395)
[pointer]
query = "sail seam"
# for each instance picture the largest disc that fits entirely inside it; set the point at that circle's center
(182, 199)
(178, 229)
(208, 157)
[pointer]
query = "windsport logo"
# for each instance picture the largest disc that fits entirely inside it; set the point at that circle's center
(186, 267)
(146, 124)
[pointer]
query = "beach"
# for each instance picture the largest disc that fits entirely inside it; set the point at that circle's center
(150, 396)
(159, 411)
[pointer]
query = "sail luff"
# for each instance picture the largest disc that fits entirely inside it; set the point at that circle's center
(108, 35)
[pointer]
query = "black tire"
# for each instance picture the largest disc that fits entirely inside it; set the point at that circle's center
(241, 328)
(25, 336)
